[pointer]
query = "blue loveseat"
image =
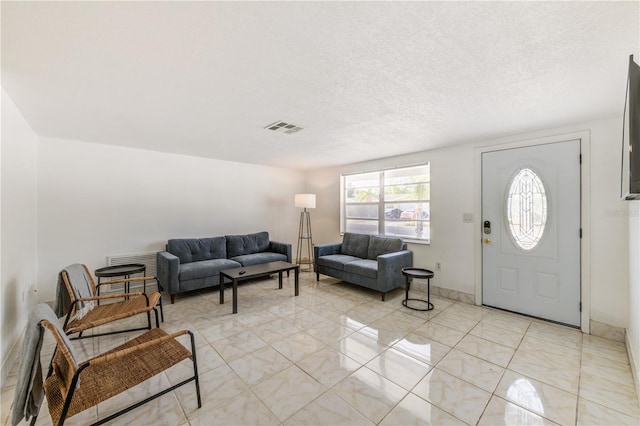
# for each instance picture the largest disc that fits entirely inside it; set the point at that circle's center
(195, 263)
(369, 261)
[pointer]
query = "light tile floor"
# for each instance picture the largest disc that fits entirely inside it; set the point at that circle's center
(338, 355)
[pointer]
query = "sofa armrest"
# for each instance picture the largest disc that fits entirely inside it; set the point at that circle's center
(168, 269)
(390, 268)
(324, 250)
(283, 248)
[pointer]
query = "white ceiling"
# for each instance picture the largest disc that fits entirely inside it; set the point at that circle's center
(364, 79)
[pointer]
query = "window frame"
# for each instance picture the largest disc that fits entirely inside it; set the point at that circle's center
(380, 203)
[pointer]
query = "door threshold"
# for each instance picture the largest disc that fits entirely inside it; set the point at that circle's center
(577, 327)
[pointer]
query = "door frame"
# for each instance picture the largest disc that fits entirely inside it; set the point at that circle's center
(585, 212)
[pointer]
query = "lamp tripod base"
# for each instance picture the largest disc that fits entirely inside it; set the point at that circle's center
(305, 240)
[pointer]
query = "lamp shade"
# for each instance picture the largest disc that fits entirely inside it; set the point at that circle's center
(305, 201)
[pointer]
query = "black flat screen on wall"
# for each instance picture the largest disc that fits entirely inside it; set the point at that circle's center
(631, 135)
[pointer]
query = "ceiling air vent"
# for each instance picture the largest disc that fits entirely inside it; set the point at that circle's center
(281, 126)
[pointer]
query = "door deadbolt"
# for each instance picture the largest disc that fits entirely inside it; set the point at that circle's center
(487, 227)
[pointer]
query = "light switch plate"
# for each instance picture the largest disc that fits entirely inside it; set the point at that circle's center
(467, 217)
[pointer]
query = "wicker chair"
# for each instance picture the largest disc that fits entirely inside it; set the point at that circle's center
(113, 372)
(130, 280)
(131, 304)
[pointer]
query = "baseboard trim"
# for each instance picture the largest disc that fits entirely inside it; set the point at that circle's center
(607, 331)
(634, 372)
(453, 294)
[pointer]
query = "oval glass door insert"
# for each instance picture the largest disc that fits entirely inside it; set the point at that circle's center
(526, 209)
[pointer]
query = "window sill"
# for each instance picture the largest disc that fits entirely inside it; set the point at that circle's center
(422, 242)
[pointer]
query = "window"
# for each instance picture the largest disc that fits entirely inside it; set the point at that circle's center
(394, 202)
(526, 209)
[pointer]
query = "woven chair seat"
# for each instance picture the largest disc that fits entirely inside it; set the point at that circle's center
(109, 312)
(81, 288)
(103, 380)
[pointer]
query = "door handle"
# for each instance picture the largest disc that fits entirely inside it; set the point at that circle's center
(487, 240)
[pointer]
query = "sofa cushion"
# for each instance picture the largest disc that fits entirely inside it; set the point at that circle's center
(364, 267)
(336, 261)
(238, 245)
(197, 249)
(383, 245)
(205, 268)
(355, 245)
(259, 258)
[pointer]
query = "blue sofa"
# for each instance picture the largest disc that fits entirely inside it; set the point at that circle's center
(369, 261)
(195, 263)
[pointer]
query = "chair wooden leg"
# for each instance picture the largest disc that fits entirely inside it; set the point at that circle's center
(173, 298)
(317, 276)
(382, 295)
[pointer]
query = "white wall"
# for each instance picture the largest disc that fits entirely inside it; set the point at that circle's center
(18, 270)
(454, 192)
(633, 329)
(609, 227)
(451, 195)
(100, 200)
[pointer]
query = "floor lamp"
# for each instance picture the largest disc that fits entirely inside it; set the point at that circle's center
(305, 201)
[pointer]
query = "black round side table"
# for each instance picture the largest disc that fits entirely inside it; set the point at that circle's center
(124, 271)
(419, 273)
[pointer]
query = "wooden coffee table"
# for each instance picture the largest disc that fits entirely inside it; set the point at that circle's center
(245, 273)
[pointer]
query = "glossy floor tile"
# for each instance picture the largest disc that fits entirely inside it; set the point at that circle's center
(537, 397)
(337, 355)
(329, 366)
(370, 393)
(476, 371)
(502, 412)
(400, 368)
(452, 394)
(413, 410)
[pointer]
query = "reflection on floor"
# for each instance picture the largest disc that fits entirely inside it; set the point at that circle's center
(336, 354)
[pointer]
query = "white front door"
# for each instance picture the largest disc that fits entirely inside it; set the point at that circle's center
(531, 231)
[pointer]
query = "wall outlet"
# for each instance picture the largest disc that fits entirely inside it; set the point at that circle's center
(467, 217)
(438, 266)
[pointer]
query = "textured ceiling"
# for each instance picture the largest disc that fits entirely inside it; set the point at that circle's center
(364, 79)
